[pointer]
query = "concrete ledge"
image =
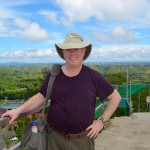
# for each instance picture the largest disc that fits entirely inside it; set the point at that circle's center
(126, 133)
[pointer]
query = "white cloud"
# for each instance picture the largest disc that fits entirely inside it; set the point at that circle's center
(57, 18)
(52, 16)
(31, 31)
(5, 30)
(117, 10)
(22, 23)
(117, 34)
(122, 52)
(2, 26)
(122, 34)
(17, 55)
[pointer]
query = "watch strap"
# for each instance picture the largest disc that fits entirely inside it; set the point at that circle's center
(104, 121)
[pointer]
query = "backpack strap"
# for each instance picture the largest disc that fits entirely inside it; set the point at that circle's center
(54, 72)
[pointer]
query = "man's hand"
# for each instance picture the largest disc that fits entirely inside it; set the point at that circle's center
(95, 128)
(13, 114)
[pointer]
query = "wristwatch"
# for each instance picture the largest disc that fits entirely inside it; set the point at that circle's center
(104, 121)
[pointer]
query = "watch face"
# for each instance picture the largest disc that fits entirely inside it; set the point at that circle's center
(103, 119)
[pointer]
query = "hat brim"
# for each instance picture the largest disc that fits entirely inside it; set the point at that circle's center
(61, 47)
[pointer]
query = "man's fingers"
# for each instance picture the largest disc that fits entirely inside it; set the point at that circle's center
(8, 114)
(11, 121)
(92, 134)
(4, 115)
(89, 128)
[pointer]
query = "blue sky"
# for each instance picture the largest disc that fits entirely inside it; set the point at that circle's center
(119, 30)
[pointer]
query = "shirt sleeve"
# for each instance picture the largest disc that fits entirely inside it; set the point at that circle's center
(103, 87)
(43, 88)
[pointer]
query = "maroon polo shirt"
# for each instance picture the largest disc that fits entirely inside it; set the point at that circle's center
(73, 99)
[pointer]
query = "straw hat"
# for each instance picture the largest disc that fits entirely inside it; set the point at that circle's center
(73, 40)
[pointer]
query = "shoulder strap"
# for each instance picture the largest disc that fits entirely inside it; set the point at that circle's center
(54, 72)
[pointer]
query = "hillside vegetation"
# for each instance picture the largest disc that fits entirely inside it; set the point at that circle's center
(21, 82)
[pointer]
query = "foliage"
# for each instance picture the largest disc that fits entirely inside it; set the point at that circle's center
(19, 128)
(20, 83)
(139, 101)
(21, 124)
(119, 112)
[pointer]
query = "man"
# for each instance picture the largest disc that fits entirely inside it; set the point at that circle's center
(73, 99)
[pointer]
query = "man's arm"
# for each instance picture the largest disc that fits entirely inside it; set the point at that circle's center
(33, 103)
(114, 100)
(97, 126)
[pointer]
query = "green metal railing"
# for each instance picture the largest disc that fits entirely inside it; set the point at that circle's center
(100, 107)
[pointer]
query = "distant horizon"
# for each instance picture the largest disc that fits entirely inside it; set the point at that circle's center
(17, 62)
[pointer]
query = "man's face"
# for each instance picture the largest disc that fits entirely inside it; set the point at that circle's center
(74, 56)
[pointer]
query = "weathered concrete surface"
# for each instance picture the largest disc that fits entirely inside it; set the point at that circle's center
(126, 133)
